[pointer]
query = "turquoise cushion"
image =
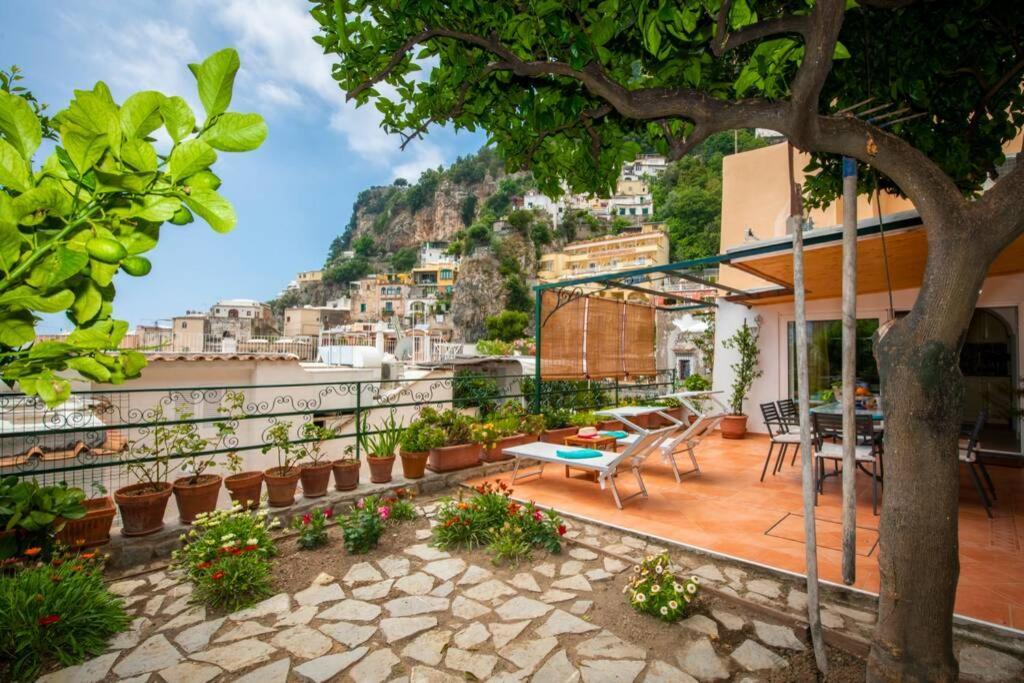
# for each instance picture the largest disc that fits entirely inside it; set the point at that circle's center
(616, 434)
(579, 454)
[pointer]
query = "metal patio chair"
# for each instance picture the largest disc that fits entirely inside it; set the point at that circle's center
(828, 434)
(969, 457)
(780, 436)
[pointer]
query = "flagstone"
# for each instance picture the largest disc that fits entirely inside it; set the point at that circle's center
(570, 568)
(555, 596)
(197, 637)
(152, 605)
(426, 553)
(351, 610)
(415, 584)
(416, 604)
(302, 615)
(152, 655)
(424, 674)
(178, 606)
(131, 637)
(467, 609)
(423, 534)
(303, 642)
(474, 575)
(527, 655)
(598, 574)
(547, 569)
(561, 622)
(572, 583)
(124, 588)
(362, 572)
(394, 567)
(238, 655)
(190, 616)
(753, 656)
(557, 668)
(662, 672)
(443, 590)
(397, 628)
(709, 572)
(701, 624)
(613, 565)
(248, 629)
(607, 671)
(525, 581)
(582, 554)
(502, 634)
(634, 542)
(428, 647)
(472, 636)
(581, 607)
(608, 645)
(521, 607)
(277, 604)
(349, 634)
(446, 569)
(777, 636)
(91, 671)
(731, 621)
(375, 667)
(190, 672)
(275, 672)
(480, 665)
(373, 591)
(700, 660)
(489, 590)
(318, 594)
(327, 667)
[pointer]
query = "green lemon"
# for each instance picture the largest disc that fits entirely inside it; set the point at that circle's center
(136, 266)
(105, 249)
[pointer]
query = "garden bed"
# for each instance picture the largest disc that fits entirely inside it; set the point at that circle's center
(407, 609)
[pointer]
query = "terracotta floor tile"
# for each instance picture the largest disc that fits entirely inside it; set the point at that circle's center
(726, 509)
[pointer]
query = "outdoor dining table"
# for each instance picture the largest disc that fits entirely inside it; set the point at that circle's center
(835, 408)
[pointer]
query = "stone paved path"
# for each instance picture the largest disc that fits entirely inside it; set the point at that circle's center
(426, 616)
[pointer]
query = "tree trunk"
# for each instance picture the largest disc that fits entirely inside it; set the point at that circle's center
(923, 394)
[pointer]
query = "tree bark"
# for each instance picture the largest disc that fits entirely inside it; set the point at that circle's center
(923, 394)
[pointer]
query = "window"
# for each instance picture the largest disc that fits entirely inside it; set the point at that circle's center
(362, 308)
(825, 357)
(632, 212)
(685, 367)
(387, 305)
(644, 211)
(446, 274)
(184, 325)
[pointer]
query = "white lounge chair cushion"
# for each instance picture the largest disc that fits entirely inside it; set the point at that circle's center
(548, 452)
(834, 451)
(786, 438)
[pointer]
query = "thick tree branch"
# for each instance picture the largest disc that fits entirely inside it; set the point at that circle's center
(998, 209)
(679, 147)
(826, 20)
(724, 42)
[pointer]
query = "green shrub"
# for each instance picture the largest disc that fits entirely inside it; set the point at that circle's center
(238, 579)
(421, 435)
(696, 382)
(363, 526)
(557, 418)
(506, 326)
(37, 512)
(509, 544)
(312, 528)
(656, 591)
(61, 611)
(587, 418)
(474, 390)
(494, 347)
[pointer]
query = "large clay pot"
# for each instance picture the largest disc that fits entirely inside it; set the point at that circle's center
(413, 463)
(315, 479)
(346, 474)
(733, 426)
(558, 435)
(458, 457)
(93, 529)
(195, 498)
(142, 507)
(380, 468)
(245, 488)
(494, 453)
(281, 486)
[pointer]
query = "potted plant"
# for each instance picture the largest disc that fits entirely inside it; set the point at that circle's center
(696, 382)
(509, 426)
(244, 487)
(93, 529)
(418, 438)
(745, 371)
(346, 471)
(142, 505)
(461, 447)
(557, 425)
(283, 479)
(315, 473)
(198, 491)
(380, 447)
(585, 418)
(32, 515)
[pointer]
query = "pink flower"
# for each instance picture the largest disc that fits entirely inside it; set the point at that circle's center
(307, 518)
(384, 512)
(328, 513)
(361, 503)
(537, 515)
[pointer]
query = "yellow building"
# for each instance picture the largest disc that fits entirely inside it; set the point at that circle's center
(440, 276)
(645, 246)
(310, 277)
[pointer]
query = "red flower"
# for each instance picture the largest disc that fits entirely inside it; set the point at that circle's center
(88, 556)
(48, 620)
(250, 548)
(32, 552)
(513, 508)
(217, 576)
(307, 518)
(561, 530)
(204, 565)
(328, 513)
(537, 515)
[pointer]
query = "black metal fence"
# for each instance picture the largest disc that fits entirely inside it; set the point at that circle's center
(90, 439)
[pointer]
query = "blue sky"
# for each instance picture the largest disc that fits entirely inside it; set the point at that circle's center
(292, 196)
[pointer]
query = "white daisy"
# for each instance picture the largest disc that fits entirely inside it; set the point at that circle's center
(664, 611)
(677, 587)
(639, 597)
(659, 569)
(691, 588)
(655, 588)
(673, 604)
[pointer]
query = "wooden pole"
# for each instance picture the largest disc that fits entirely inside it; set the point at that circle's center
(795, 226)
(849, 370)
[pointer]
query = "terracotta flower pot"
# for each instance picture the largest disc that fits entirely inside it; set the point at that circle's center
(245, 488)
(315, 479)
(733, 426)
(458, 457)
(281, 486)
(558, 435)
(610, 426)
(195, 498)
(413, 463)
(380, 468)
(346, 474)
(142, 507)
(494, 453)
(93, 529)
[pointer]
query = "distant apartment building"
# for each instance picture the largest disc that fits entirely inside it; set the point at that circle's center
(309, 277)
(233, 319)
(153, 337)
(555, 208)
(435, 252)
(308, 321)
(637, 208)
(645, 165)
(646, 245)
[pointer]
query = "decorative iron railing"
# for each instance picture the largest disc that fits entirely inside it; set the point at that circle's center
(94, 434)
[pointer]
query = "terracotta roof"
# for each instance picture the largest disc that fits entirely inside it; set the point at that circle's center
(167, 356)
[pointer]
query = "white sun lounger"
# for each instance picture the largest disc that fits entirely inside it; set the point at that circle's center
(682, 435)
(605, 466)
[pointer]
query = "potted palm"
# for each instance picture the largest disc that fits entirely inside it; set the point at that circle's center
(283, 479)
(418, 438)
(461, 447)
(745, 371)
(380, 446)
(143, 504)
(93, 529)
(557, 425)
(315, 472)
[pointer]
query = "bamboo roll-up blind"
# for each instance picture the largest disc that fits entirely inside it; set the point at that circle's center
(638, 341)
(561, 339)
(604, 338)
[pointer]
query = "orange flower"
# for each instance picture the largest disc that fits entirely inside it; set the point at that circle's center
(217, 576)
(32, 552)
(88, 556)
